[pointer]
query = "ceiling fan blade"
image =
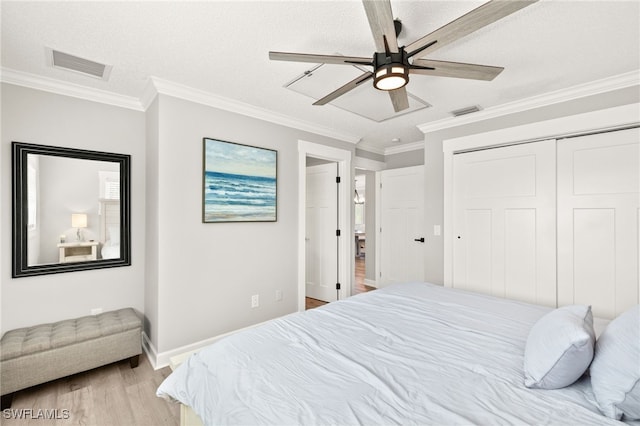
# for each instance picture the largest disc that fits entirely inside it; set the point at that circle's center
(381, 22)
(399, 99)
(466, 24)
(456, 69)
(319, 59)
(344, 89)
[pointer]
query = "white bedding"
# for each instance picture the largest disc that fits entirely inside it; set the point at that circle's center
(412, 353)
(110, 251)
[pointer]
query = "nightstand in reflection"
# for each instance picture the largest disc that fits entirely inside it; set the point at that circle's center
(78, 251)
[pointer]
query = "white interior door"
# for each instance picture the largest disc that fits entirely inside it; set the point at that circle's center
(504, 222)
(402, 223)
(321, 226)
(599, 221)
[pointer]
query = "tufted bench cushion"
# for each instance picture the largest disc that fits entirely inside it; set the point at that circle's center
(38, 354)
(25, 341)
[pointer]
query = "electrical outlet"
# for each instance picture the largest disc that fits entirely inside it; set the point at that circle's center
(255, 300)
(278, 295)
(96, 311)
(436, 230)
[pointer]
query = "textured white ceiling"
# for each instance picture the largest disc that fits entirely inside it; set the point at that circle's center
(222, 47)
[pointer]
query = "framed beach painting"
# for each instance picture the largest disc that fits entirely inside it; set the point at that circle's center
(239, 183)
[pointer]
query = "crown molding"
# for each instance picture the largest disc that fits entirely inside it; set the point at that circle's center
(405, 147)
(165, 87)
(148, 94)
(156, 86)
(608, 84)
(32, 81)
(370, 148)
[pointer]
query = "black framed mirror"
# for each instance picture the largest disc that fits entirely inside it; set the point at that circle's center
(71, 209)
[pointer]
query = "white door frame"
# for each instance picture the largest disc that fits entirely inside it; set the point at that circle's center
(601, 120)
(345, 262)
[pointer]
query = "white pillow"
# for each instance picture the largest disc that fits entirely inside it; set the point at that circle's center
(114, 235)
(559, 348)
(615, 372)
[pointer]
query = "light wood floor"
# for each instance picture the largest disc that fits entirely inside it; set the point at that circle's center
(359, 287)
(115, 395)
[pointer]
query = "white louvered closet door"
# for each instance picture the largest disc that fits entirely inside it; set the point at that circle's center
(599, 221)
(504, 222)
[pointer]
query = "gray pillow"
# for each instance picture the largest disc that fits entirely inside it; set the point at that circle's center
(615, 372)
(559, 348)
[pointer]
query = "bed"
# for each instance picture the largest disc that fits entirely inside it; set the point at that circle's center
(110, 228)
(413, 353)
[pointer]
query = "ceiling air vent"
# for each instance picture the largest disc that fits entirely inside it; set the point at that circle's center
(465, 111)
(75, 63)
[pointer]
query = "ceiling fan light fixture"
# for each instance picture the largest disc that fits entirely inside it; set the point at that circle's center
(391, 77)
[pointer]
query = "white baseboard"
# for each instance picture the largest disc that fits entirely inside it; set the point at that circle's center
(150, 351)
(370, 283)
(163, 359)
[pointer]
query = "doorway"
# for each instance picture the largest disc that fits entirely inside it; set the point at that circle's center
(321, 252)
(364, 231)
(402, 233)
(343, 245)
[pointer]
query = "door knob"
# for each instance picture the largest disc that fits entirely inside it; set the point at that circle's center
(420, 240)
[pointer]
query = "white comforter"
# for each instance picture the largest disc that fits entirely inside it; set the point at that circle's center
(408, 354)
(110, 250)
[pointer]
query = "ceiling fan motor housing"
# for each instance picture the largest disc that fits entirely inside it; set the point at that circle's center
(391, 70)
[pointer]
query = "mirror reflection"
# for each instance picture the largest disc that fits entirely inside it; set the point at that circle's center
(73, 210)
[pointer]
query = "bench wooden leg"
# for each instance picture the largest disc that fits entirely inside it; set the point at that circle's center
(6, 401)
(134, 360)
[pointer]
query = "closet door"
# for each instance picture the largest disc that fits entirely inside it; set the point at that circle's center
(504, 222)
(598, 221)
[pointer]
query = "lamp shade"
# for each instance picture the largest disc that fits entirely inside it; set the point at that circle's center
(78, 220)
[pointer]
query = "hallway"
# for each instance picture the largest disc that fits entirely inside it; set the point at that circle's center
(359, 285)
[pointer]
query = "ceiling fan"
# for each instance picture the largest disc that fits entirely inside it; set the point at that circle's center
(392, 64)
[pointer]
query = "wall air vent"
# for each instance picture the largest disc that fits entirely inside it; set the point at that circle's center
(77, 64)
(465, 111)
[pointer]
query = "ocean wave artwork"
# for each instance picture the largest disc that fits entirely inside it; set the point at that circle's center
(240, 183)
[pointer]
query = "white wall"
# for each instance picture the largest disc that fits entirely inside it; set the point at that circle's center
(202, 275)
(404, 159)
(44, 118)
(191, 280)
(152, 194)
(361, 153)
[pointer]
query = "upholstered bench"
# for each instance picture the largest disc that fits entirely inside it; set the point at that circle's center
(34, 355)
